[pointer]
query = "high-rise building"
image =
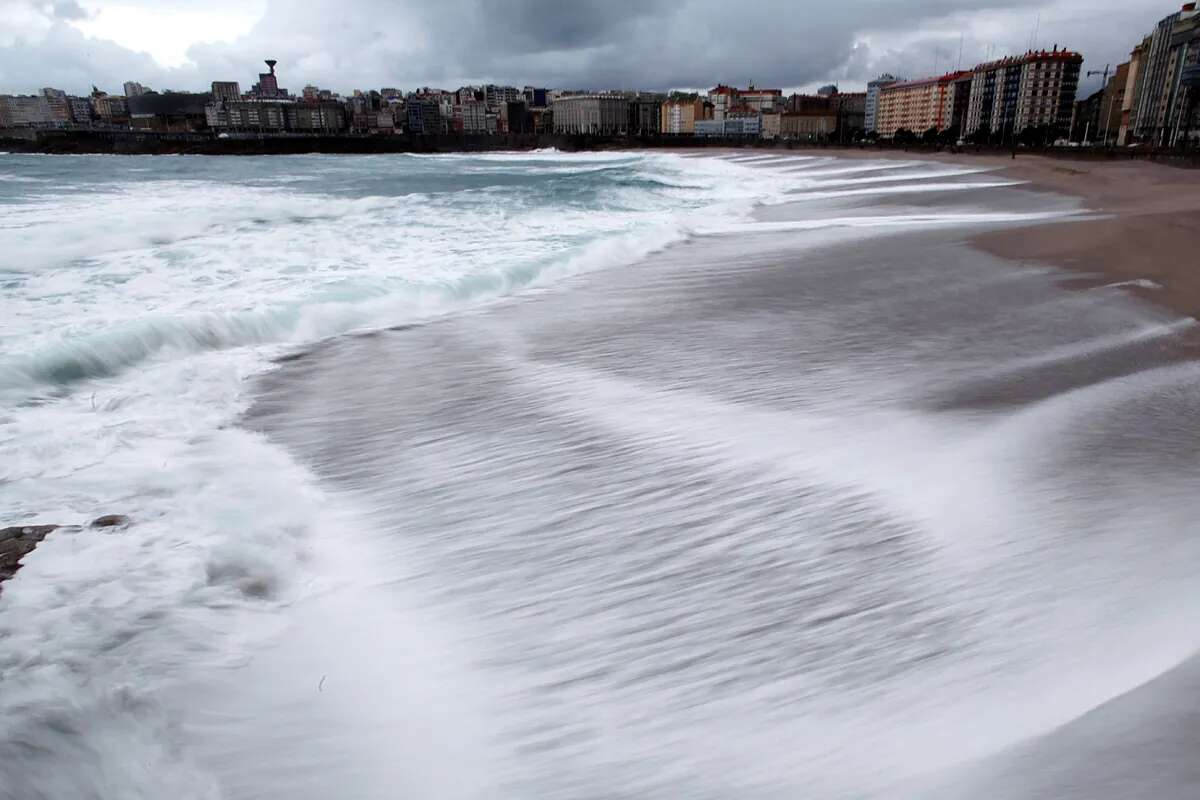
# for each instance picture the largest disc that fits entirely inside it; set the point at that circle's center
(1153, 101)
(1034, 90)
(1184, 119)
(872, 102)
(1133, 89)
(994, 89)
(134, 89)
(1049, 82)
(1161, 99)
(917, 106)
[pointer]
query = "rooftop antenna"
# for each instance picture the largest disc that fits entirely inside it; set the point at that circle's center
(1037, 28)
(958, 66)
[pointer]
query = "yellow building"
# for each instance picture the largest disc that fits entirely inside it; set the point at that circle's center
(918, 106)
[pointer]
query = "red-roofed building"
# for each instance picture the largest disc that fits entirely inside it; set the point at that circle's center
(1033, 90)
(728, 101)
(920, 105)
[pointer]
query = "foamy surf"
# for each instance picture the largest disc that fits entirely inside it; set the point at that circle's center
(655, 492)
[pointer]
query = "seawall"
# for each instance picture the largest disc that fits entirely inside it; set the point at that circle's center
(151, 143)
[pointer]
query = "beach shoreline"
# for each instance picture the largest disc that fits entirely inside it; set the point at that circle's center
(1142, 229)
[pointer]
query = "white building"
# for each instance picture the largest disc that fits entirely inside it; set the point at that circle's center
(872, 106)
(592, 113)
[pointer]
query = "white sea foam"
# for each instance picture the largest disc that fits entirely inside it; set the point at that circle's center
(127, 344)
(1140, 283)
(867, 221)
(911, 188)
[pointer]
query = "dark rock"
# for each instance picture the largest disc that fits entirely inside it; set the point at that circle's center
(110, 521)
(16, 543)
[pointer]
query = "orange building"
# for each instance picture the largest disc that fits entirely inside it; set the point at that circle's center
(919, 105)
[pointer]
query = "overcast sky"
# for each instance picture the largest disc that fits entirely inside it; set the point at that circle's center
(653, 44)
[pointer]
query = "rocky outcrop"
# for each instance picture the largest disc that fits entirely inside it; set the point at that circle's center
(20, 540)
(16, 543)
(110, 521)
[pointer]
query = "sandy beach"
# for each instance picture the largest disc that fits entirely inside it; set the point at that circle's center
(1148, 227)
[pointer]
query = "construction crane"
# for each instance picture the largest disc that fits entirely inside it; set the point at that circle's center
(1103, 86)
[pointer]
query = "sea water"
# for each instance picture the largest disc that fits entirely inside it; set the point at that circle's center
(609, 475)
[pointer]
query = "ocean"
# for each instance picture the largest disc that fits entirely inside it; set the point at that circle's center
(616, 475)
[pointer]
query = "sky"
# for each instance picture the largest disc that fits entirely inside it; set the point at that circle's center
(580, 44)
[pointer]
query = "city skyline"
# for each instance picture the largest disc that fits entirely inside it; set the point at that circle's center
(74, 45)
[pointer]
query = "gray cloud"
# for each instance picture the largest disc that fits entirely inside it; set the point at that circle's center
(69, 9)
(345, 44)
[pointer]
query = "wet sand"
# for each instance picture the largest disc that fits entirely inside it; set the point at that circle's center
(804, 512)
(1149, 231)
(1144, 229)
(1146, 232)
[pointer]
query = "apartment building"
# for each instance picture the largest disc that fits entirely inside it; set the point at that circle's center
(496, 96)
(645, 116)
(994, 89)
(472, 115)
(592, 114)
(744, 125)
(1184, 111)
(81, 110)
(1153, 101)
(1033, 90)
(727, 100)
(24, 111)
(535, 97)
(919, 105)
(808, 125)
(1049, 81)
(322, 116)
(680, 116)
(111, 109)
(423, 115)
(247, 115)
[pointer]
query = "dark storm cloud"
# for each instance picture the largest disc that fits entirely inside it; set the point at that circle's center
(346, 44)
(622, 43)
